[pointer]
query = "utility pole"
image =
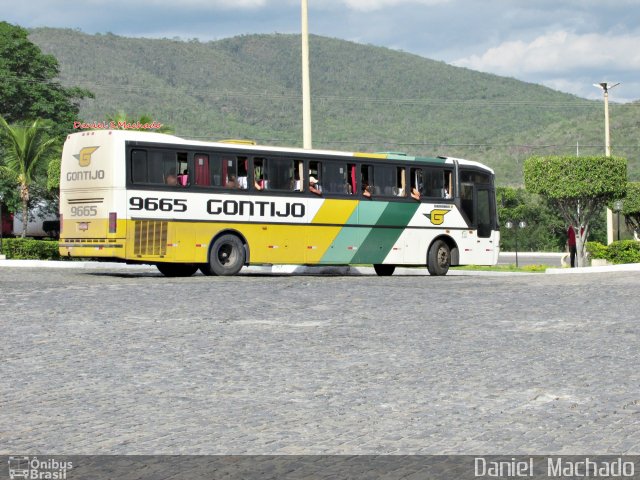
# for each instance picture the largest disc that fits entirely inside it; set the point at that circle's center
(306, 84)
(607, 147)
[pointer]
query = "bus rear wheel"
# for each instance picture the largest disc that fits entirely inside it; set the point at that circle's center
(384, 270)
(177, 269)
(439, 258)
(227, 256)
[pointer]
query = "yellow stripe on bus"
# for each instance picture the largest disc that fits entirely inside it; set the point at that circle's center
(371, 155)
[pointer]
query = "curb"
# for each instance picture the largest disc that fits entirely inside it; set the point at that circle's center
(626, 267)
(308, 270)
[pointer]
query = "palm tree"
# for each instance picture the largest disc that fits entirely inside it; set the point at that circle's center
(122, 117)
(25, 149)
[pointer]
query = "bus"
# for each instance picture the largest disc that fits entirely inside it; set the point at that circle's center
(185, 205)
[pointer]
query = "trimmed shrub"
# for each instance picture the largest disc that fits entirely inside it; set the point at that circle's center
(624, 251)
(597, 250)
(30, 249)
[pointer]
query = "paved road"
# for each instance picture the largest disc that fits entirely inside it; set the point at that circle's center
(128, 362)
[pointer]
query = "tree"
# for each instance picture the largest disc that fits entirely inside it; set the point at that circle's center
(121, 118)
(28, 88)
(631, 207)
(578, 187)
(544, 231)
(26, 148)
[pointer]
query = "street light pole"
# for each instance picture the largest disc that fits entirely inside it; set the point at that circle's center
(306, 83)
(510, 225)
(617, 207)
(607, 146)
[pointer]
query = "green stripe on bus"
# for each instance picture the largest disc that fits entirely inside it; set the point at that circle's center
(378, 243)
(345, 246)
(347, 243)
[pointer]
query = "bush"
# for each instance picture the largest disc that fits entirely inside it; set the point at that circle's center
(624, 251)
(597, 250)
(30, 249)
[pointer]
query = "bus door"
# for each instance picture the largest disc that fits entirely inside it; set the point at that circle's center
(478, 206)
(486, 218)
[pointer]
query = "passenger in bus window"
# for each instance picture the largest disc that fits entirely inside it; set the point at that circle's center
(447, 185)
(231, 183)
(314, 186)
(258, 183)
(242, 182)
(171, 179)
(183, 178)
(415, 194)
(366, 189)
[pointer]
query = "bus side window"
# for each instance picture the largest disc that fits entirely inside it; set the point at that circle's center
(260, 181)
(280, 173)
(243, 171)
(366, 176)
(154, 166)
(298, 175)
(139, 173)
(401, 182)
(182, 169)
(352, 179)
(201, 169)
(417, 183)
(448, 184)
(331, 175)
(316, 171)
(385, 181)
(162, 167)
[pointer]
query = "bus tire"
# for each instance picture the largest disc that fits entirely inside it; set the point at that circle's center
(227, 255)
(439, 258)
(177, 269)
(205, 268)
(383, 270)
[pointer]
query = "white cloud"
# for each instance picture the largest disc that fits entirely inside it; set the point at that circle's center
(190, 4)
(371, 5)
(558, 51)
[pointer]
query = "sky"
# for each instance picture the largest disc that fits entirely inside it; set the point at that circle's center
(567, 45)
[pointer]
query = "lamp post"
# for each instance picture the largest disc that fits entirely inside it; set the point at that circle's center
(617, 207)
(306, 83)
(510, 225)
(607, 145)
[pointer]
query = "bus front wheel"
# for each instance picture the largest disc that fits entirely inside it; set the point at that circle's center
(227, 256)
(384, 270)
(177, 269)
(439, 258)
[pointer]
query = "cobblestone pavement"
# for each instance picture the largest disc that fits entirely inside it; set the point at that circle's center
(129, 362)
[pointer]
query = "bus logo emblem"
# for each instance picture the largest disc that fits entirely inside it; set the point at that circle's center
(84, 157)
(436, 217)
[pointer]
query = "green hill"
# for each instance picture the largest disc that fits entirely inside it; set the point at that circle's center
(364, 98)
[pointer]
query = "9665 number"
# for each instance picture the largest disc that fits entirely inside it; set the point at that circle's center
(152, 204)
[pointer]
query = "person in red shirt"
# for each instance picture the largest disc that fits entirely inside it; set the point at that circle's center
(571, 242)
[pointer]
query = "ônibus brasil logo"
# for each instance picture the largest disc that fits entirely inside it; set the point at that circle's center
(33, 468)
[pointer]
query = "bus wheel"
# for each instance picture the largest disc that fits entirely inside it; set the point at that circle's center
(227, 255)
(384, 270)
(439, 258)
(177, 269)
(205, 268)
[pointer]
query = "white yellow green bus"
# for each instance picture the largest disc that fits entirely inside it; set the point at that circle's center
(184, 205)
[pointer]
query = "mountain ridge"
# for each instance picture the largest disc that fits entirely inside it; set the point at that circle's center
(364, 98)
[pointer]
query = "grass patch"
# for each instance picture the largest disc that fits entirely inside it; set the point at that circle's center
(504, 268)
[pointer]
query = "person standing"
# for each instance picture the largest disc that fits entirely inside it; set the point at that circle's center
(571, 242)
